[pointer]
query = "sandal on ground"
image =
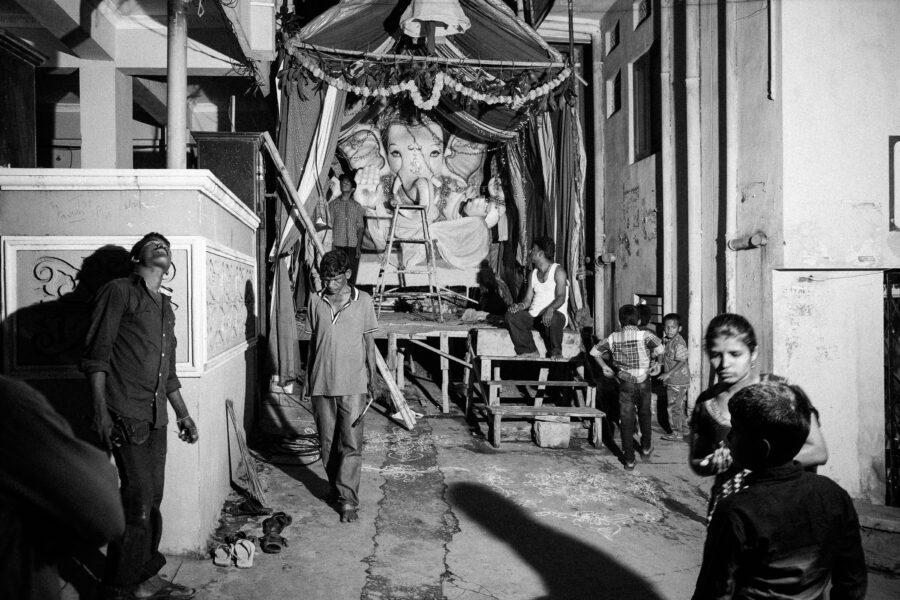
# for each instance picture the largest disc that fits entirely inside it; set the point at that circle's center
(223, 554)
(276, 523)
(244, 551)
(272, 543)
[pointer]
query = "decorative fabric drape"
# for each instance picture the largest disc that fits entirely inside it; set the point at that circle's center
(306, 141)
(571, 166)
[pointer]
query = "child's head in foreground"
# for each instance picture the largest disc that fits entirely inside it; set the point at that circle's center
(769, 424)
(628, 315)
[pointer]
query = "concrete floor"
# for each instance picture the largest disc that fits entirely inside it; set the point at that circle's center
(445, 515)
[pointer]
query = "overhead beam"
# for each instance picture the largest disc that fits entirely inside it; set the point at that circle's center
(83, 26)
(150, 95)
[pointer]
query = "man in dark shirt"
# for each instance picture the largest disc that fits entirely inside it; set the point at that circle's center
(58, 495)
(130, 363)
(789, 533)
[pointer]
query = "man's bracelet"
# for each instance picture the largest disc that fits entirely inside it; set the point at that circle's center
(183, 419)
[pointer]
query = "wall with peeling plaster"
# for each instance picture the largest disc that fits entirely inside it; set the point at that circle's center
(838, 114)
(828, 338)
(812, 174)
(632, 201)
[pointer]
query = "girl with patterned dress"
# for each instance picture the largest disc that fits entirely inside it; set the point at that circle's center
(731, 347)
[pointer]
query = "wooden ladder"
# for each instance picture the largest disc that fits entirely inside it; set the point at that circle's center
(434, 291)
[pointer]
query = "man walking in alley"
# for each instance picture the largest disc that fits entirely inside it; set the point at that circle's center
(546, 301)
(130, 364)
(341, 322)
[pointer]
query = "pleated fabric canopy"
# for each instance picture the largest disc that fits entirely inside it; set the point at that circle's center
(486, 80)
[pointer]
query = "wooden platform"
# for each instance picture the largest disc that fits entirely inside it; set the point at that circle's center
(489, 350)
(406, 332)
(447, 276)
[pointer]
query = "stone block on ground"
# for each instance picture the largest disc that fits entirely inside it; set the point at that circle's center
(552, 431)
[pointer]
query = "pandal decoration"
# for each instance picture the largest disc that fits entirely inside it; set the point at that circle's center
(442, 80)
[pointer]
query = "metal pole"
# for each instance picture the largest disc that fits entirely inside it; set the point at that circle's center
(601, 272)
(176, 97)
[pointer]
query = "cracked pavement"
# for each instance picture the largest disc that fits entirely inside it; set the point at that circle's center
(445, 515)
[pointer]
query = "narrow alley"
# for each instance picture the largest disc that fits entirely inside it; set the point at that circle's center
(445, 515)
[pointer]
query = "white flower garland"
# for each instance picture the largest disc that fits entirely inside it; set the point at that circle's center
(441, 81)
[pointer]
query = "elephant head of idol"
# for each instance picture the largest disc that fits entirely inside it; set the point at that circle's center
(415, 154)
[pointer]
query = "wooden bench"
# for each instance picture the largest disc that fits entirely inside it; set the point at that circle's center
(496, 413)
(489, 349)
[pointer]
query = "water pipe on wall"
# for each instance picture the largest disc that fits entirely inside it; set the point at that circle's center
(694, 199)
(602, 297)
(750, 242)
(667, 187)
(731, 151)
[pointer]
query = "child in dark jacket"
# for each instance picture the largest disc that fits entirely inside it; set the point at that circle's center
(789, 533)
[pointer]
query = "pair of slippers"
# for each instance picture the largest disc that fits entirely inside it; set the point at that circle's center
(239, 552)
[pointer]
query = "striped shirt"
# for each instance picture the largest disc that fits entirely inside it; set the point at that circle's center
(631, 350)
(347, 218)
(676, 351)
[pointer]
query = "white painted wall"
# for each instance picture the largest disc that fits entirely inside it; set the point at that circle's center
(841, 101)
(828, 338)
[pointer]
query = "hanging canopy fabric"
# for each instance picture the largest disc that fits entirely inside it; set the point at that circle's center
(487, 80)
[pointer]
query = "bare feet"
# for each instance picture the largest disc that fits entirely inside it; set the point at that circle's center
(349, 514)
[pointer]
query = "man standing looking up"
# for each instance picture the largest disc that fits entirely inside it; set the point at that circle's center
(546, 300)
(130, 363)
(341, 322)
(348, 223)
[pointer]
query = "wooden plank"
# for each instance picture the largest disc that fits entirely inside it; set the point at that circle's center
(401, 362)
(409, 420)
(542, 386)
(551, 383)
(533, 411)
(466, 363)
(299, 210)
(445, 373)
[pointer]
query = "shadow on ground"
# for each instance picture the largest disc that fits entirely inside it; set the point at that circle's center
(569, 567)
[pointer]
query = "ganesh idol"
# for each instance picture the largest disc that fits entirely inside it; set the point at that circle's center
(404, 159)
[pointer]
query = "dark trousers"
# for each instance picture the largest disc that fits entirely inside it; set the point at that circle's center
(634, 397)
(521, 324)
(340, 444)
(351, 253)
(135, 557)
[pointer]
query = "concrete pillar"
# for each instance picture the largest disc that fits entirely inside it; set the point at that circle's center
(176, 146)
(106, 143)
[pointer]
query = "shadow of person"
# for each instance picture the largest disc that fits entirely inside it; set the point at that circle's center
(569, 567)
(44, 342)
(45, 338)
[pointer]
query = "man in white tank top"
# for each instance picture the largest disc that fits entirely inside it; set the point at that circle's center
(546, 299)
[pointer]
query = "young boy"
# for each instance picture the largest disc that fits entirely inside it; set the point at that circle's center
(789, 533)
(635, 354)
(341, 322)
(675, 377)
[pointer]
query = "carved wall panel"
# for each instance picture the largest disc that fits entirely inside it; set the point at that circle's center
(230, 302)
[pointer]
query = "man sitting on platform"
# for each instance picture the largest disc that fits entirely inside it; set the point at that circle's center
(546, 301)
